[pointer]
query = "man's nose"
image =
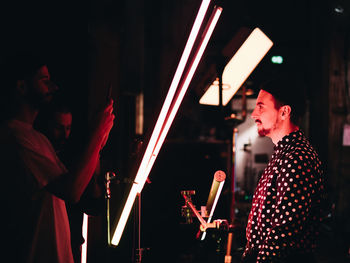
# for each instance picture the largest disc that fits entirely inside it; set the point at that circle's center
(66, 134)
(254, 115)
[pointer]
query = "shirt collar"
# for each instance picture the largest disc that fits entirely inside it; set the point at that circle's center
(288, 139)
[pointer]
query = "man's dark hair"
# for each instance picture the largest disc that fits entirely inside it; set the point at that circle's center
(22, 65)
(287, 90)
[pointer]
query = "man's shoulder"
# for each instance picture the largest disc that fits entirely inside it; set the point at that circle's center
(301, 147)
(303, 156)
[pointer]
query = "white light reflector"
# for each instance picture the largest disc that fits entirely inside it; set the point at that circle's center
(239, 68)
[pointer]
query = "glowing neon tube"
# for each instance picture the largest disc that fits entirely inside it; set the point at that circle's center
(150, 154)
(221, 185)
(207, 34)
(144, 170)
(85, 236)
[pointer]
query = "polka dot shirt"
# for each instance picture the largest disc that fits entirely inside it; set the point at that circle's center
(286, 207)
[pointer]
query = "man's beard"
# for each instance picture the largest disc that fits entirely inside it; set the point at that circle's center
(263, 132)
(40, 101)
(59, 145)
(266, 131)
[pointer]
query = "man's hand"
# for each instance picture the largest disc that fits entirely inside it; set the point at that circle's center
(104, 123)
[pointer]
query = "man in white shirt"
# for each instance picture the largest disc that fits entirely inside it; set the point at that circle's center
(35, 184)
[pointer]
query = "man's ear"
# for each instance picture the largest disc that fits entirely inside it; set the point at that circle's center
(21, 87)
(285, 112)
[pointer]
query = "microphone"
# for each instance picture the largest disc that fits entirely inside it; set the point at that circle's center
(214, 194)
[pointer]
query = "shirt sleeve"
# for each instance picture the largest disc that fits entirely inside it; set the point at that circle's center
(295, 192)
(42, 168)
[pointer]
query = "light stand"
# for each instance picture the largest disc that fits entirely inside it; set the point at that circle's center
(108, 177)
(189, 210)
(138, 250)
(228, 257)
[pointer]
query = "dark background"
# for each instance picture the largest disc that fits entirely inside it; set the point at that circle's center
(135, 46)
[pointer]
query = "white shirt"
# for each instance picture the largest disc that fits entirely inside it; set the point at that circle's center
(47, 215)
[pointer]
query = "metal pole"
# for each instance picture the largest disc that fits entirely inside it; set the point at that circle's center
(228, 257)
(138, 232)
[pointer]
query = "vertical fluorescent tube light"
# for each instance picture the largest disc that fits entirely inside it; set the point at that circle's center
(143, 170)
(239, 68)
(204, 41)
(85, 236)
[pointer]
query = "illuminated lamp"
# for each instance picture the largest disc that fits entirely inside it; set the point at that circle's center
(171, 104)
(85, 236)
(238, 69)
(214, 194)
(277, 59)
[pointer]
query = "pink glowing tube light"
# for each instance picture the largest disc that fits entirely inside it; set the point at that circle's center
(170, 107)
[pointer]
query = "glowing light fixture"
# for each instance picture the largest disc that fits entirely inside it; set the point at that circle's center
(277, 59)
(214, 194)
(169, 109)
(239, 68)
(85, 236)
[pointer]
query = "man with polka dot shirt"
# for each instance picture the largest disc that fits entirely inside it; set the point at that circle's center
(287, 203)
